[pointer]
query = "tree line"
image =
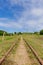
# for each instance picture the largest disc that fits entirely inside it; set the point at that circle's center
(9, 34)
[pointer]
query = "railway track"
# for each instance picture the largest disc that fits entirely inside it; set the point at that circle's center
(35, 53)
(6, 54)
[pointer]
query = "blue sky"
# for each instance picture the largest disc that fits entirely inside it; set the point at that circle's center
(21, 15)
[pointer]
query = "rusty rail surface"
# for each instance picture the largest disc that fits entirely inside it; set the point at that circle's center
(6, 54)
(34, 52)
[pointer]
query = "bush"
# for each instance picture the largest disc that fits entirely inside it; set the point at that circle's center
(35, 32)
(19, 33)
(41, 32)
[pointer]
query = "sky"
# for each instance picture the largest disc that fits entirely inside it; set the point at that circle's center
(21, 15)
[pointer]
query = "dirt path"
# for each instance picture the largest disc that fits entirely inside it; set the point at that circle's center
(21, 56)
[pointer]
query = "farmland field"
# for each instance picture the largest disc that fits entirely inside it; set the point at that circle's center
(36, 41)
(6, 43)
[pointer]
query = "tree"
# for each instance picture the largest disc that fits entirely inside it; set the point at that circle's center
(19, 33)
(2, 32)
(41, 32)
(35, 32)
(14, 32)
(5, 33)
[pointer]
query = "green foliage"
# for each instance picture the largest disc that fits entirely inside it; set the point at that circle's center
(5, 33)
(1, 32)
(19, 33)
(35, 32)
(41, 32)
(14, 32)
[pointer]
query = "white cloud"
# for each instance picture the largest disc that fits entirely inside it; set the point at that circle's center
(4, 24)
(9, 23)
(37, 11)
(15, 24)
(29, 25)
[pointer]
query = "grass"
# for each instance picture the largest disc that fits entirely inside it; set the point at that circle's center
(9, 60)
(6, 44)
(36, 41)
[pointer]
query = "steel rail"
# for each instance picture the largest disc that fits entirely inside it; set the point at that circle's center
(6, 54)
(34, 52)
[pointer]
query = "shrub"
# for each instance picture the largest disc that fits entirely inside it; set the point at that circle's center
(19, 33)
(35, 32)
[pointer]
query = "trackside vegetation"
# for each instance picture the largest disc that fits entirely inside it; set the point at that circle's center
(36, 41)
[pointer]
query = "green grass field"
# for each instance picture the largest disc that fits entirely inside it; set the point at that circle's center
(6, 44)
(36, 41)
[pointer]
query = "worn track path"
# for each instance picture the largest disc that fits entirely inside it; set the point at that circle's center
(21, 56)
